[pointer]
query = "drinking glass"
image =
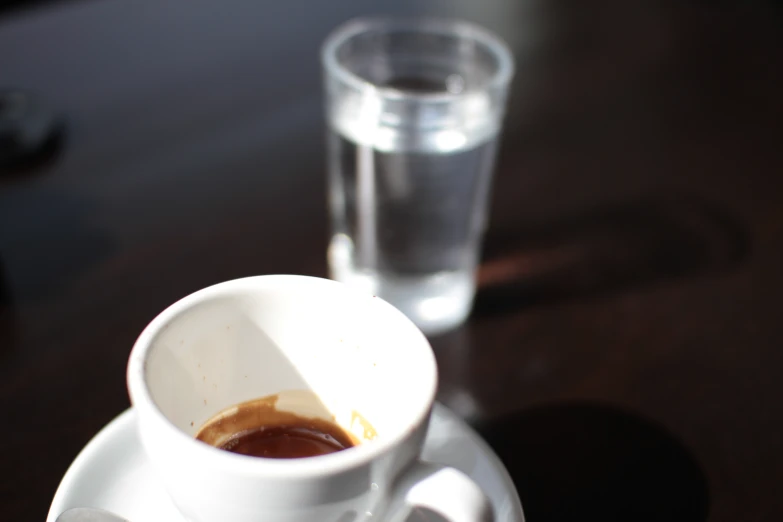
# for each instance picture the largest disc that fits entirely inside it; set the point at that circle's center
(414, 110)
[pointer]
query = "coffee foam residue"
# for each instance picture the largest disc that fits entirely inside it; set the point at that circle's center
(289, 408)
(360, 425)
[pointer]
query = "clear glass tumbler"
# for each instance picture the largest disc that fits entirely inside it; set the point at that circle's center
(414, 110)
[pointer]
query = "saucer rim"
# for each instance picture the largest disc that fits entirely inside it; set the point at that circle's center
(124, 420)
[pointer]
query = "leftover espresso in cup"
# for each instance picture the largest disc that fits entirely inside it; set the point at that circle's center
(257, 428)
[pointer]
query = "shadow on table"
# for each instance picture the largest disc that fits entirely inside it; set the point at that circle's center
(607, 250)
(587, 461)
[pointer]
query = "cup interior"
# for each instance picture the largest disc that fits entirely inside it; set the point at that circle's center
(327, 350)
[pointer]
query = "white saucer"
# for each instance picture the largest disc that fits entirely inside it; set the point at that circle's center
(112, 472)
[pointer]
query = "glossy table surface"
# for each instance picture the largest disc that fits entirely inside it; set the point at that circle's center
(624, 355)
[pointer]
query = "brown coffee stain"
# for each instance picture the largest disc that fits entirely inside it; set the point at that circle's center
(368, 432)
(263, 412)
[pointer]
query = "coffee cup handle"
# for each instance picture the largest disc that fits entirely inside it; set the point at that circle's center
(446, 491)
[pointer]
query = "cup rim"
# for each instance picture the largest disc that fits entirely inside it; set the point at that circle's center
(310, 467)
(434, 25)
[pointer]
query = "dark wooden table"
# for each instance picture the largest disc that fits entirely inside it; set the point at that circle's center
(625, 356)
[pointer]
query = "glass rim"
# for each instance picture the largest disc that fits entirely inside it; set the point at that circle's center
(445, 26)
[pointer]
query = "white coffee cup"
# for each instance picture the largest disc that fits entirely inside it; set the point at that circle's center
(295, 336)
